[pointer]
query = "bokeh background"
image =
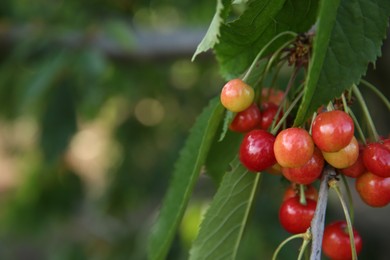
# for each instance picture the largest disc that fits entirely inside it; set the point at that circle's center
(96, 99)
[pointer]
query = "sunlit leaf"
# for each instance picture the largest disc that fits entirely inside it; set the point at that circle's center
(349, 36)
(242, 39)
(212, 34)
(186, 173)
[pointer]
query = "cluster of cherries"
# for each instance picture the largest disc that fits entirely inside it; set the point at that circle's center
(301, 157)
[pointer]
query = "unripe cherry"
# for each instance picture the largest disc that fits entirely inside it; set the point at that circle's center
(236, 95)
(345, 157)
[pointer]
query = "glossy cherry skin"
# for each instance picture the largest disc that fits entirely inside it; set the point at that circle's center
(293, 191)
(256, 150)
(293, 147)
(336, 244)
(373, 190)
(376, 158)
(307, 173)
(272, 95)
(294, 217)
(269, 112)
(332, 130)
(345, 157)
(246, 120)
(356, 169)
(236, 95)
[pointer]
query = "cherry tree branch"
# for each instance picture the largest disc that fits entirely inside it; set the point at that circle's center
(318, 222)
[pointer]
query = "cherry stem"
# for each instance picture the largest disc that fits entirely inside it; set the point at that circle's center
(281, 245)
(357, 126)
(286, 113)
(276, 55)
(306, 240)
(366, 113)
(377, 92)
(302, 197)
(333, 185)
(277, 71)
(349, 195)
(345, 105)
(312, 120)
(318, 221)
(262, 51)
(288, 88)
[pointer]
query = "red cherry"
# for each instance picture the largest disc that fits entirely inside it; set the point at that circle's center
(373, 190)
(293, 147)
(269, 112)
(376, 158)
(358, 168)
(332, 130)
(295, 217)
(345, 157)
(307, 173)
(272, 95)
(336, 244)
(237, 96)
(293, 191)
(246, 120)
(256, 150)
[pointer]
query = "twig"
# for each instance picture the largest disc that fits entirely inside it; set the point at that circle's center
(318, 222)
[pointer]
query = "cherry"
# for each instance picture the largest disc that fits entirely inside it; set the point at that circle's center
(358, 168)
(269, 112)
(345, 157)
(293, 191)
(275, 169)
(373, 190)
(376, 158)
(272, 95)
(307, 173)
(295, 217)
(336, 244)
(256, 150)
(293, 147)
(246, 120)
(332, 130)
(237, 96)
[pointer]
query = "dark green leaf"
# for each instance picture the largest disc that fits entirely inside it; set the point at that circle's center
(242, 39)
(349, 36)
(221, 154)
(222, 228)
(186, 173)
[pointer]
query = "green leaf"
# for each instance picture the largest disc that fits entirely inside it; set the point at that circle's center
(221, 154)
(222, 228)
(349, 36)
(212, 34)
(241, 40)
(228, 119)
(192, 158)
